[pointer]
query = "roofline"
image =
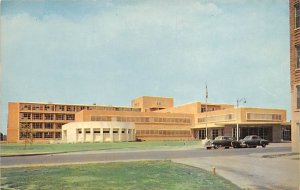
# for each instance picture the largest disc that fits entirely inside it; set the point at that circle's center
(204, 103)
(50, 103)
(152, 97)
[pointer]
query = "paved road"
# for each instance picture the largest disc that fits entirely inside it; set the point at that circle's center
(138, 154)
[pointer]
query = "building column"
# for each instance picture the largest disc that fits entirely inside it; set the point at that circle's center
(92, 133)
(101, 135)
(83, 134)
(126, 135)
(111, 134)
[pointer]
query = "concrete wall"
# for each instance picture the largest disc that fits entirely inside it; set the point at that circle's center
(150, 103)
(13, 122)
(295, 78)
(76, 132)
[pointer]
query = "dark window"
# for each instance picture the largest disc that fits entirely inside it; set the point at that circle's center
(48, 125)
(297, 57)
(297, 15)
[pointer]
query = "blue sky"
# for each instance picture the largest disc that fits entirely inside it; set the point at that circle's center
(109, 52)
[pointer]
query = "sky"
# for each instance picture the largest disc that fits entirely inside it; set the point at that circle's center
(109, 52)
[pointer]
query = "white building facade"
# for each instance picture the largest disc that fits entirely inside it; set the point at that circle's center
(80, 132)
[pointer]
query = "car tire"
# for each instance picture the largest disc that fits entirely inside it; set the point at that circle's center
(263, 145)
(226, 147)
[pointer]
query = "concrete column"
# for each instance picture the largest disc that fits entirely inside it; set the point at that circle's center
(120, 134)
(101, 135)
(92, 134)
(126, 135)
(111, 134)
(133, 135)
(83, 134)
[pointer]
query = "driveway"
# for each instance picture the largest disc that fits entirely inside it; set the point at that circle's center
(253, 171)
(244, 167)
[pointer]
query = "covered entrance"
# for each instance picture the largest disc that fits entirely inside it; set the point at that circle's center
(264, 132)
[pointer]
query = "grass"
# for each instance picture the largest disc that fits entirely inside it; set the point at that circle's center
(124, 175)
(13, 149)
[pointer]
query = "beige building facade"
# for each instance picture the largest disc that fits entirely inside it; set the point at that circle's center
(154, 118)
(81, 132)
(295, 72)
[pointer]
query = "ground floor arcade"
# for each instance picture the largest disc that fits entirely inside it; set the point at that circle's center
(273, 133)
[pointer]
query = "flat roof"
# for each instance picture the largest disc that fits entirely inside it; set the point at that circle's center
(50, 103)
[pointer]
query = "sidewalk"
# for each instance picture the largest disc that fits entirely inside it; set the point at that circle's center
(257, 171)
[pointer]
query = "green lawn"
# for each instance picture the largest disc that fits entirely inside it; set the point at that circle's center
(124, 175)
(9, 149)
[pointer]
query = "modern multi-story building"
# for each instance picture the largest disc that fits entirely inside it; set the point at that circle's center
(295, 72)
(154, 118)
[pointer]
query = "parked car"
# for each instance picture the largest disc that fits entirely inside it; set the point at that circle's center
(223, 141)
(252, 141)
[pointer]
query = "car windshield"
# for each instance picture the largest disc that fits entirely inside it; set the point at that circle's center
(227, 138)
(247, 137)
(218, 138)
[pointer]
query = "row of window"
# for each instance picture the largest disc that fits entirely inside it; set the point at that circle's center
(264, 116)
(163, 132)
(40, 135)
(69, 108)
(143, 119)
(97, 131)
(227, 117)
(46, 116)
(26, 125)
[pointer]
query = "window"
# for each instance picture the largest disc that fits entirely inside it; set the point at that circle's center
(297, 57)
(70, 117)
(25, 125)
(49, 108)
(58, 135)
(59, 108)
(215, 133)
(59, 125)
(37, 125)
(37, 116)
(298, 96)
(48, 135)
(48, 125)
(297, 15)
(48, 116)
(37, 107)
(37, 135)
(202, 134)
(59, 117)
(25, 116)
(25, 107)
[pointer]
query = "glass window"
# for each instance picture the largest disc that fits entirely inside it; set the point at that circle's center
(48, 125)
(297, 57)
(297, 15)
(214, 133)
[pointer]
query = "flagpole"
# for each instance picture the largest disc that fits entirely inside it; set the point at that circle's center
(206, 96)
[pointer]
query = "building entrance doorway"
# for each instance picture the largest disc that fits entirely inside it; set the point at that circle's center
(263, 132)
(202, 133)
